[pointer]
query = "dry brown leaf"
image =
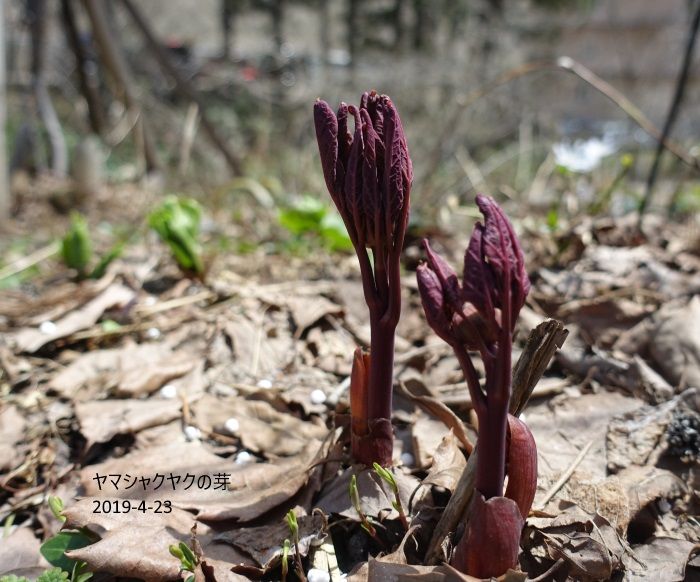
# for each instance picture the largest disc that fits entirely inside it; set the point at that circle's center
(12, 425)
(660, 559)
(19, 552)
(135, 544)
(100, 420)
(131, 370)
(636, 438)
(261, 428)
(587, 542)
(676, 345)
(264, 543)
(259, 348)
(448, 464)
(306, 311)
(252, 488)
(30, 339)
(440, 411)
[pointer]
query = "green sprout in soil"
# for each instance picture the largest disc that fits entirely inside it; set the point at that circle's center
(388, 476)
(188, 559)
(177, 222)
(76, 250)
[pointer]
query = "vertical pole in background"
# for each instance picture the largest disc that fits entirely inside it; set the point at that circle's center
(4, 182)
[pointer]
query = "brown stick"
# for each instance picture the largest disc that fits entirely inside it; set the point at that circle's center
(183, 86)
(541, 344)
(116, 64)
(88, 82)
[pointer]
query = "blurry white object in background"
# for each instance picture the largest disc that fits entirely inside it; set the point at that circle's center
(583, 155)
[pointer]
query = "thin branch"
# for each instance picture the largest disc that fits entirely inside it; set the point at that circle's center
(675, 107)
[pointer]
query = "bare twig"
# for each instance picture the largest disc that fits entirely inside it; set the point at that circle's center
(29, 261)
(566, 64)
(675, 107)
(183, 86)
(565, 476)
(541, 344)
(111, 55)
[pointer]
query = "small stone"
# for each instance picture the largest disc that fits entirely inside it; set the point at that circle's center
(243, 457)
(317, 396)
(169, 391)
(192, 433)
(47, 327)
(264, 383)
(407, 459)
(152, 333)
(316, 575)
(232, 425)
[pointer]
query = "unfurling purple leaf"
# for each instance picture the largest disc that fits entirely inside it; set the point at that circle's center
(433, 299)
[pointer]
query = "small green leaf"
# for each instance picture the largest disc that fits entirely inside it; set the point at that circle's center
(53, 575)
(176, 552)
(286, 549)
(188, 556)
(189, 579)
(13, 578)
(355, 495)
(293, 525)
(56, 507)
(54, 548)
(76, 246)
(387, 476)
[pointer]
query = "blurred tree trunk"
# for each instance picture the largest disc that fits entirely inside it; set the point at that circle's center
(37, 12)
(4, 183)
(398, 25)
(277, 11)
(424, 25)
(115, 62)
(353, 30)
(324, 12)
(88, 79)
(229, 14)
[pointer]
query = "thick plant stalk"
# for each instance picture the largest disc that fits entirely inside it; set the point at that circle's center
(368, 174)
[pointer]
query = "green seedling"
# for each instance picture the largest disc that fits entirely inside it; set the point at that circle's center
(364, 520)
(76, 250)
(177, 222)
(188, 559)
(52, 575)
(55, 548)
(312, 222)
(286, 547)
(294, 531)
(388, 476)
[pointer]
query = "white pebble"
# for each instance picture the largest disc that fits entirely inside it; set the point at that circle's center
(663, 505)
(407, 459)
(47, 327)
(232, 425)
(317, 396)
(150, 300)
(168, 391)
(153, 333)
(316, 575)
(243, 457)
(264, 383)
(192, 433)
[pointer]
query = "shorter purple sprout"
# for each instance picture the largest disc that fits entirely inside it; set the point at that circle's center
(479, 314)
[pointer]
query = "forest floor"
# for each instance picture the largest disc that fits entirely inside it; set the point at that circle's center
(151, 403)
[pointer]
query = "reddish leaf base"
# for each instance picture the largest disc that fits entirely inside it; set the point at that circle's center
(492, 541)
(521, 465)
(376, 446)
